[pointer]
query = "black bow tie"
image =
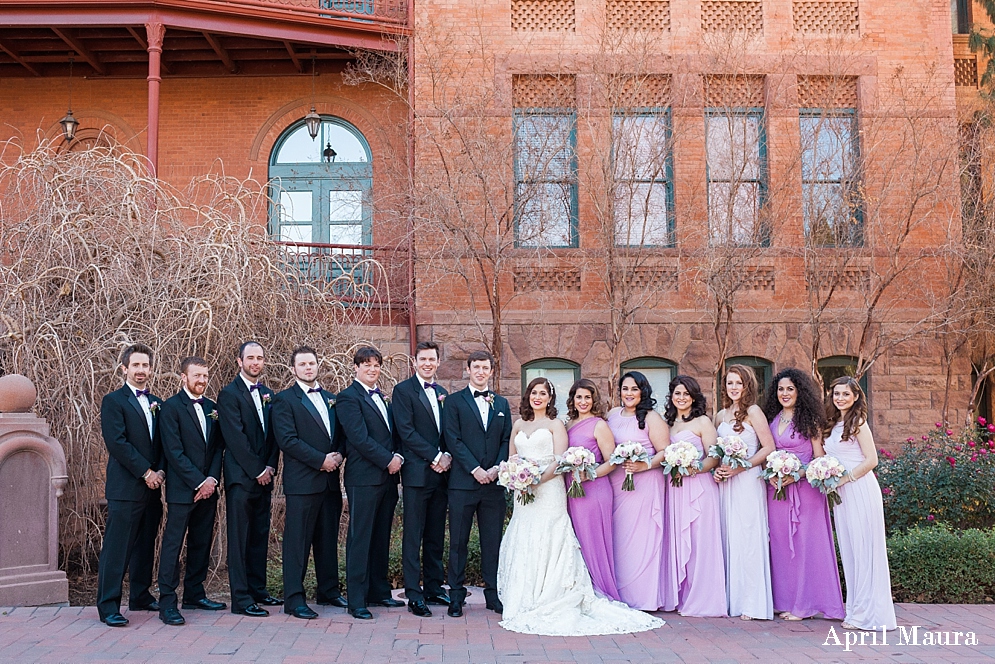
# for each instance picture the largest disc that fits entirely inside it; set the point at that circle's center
(434, 386)
(313, 389)
(199, 401)
(143, 393)
(255, 386)
(481, 394)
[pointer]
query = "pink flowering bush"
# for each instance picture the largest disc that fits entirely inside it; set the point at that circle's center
(948, 477)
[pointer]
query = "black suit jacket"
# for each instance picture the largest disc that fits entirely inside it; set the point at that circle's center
(132, 451)
(190, 458)
(468, 442)
(369, 442)
(420, 440)
(248, 448)
(302, 437)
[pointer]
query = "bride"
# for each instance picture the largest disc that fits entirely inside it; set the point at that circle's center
(542, 579)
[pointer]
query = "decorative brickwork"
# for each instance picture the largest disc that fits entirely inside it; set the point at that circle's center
(966, 72)
(643, 92)
(827, 91)
(543, 91)
(759, 279)
(543, 15)
(734, 91)
(852, 278)
(547, 279)
(654, 278)
(646, 15)
(732, 16)
(826, 17)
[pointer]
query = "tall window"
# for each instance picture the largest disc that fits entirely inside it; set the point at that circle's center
(736, 162)
(561, 373)
(837, 366)
(830, 177)
(317, 200)
(762, 369)
(546, 177)
(960, 16)
(658, 372)
(643, 203)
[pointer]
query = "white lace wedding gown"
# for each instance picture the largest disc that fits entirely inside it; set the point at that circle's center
(542, 579)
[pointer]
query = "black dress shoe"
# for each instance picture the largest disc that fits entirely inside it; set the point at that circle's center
(269, 600)
(496, 606)
(438, 600)
(455, 610)
(171, 617)
(151, 606)
(253, 610)
(115, 620)
(303, 612)
(390, 603)
(418, 608)
(206, 605)
(361, 614)
(339, 601)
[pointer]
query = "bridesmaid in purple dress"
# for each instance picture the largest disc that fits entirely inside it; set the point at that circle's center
(695, 551)
(592, 513)
(643, 578)
(805, 578)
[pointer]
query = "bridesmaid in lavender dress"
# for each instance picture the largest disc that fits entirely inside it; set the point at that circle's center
(643, 578)
(804, 575)
(694, 553)
(860, 517)
(591, 513)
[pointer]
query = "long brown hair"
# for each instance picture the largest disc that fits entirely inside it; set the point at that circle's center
(525, 409)
(854, 417)
(597, 408)
(746, 399)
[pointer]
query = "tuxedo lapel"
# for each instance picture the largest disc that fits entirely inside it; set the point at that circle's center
(210, 422)
(490, 414)
(468, 395)
(247, 397)
(193, 414)
(369, 399)
(423, 398)
(133, 400)
(311, 409)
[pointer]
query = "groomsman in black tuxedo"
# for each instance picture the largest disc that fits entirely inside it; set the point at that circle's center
(250, 462)
(477, 430)
(304, 421)
(371, 475)
(134, 498)
(193, 447)
(417, 408)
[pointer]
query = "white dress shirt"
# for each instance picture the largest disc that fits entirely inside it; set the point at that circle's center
(319, 403)
(203, 429)
(257, 400)
(433, 398)
(143, 401)
(378, 400)
(483, 407)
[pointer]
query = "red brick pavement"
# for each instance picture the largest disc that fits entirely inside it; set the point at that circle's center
(73, 634)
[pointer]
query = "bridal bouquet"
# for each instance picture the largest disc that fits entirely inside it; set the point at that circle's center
(825, 473)
(580, 462)
(520, 475)
(628, 451)
(732, 452)
(678, 460)
(781, 464)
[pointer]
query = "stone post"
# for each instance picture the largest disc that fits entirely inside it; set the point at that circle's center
(32, 477)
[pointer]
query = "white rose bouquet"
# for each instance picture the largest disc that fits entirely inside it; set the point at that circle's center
(781, 464)
(825, 473)
(731, 451)
(628, 451)
(579, 462)
(678, 460)
(520, 475)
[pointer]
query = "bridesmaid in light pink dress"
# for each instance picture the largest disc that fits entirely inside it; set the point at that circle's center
(695, 548)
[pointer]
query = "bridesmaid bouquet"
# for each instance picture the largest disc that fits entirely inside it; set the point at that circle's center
(679, 458)
(825, 473)
(732, 451)
(520, 475)
(628, 451)
(781, 464)
(580, 462)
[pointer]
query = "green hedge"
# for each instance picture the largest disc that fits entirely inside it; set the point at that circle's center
(936, 564)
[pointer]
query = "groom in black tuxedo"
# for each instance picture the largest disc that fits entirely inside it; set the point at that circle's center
(417, 409)
(477, 430)
(371, 474)
(128, 422)
(305, 423)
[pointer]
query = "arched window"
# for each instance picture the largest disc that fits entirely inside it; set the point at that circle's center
(658, 372)
(831, 368)
(763, 369)
(319, 198)
(561, 373)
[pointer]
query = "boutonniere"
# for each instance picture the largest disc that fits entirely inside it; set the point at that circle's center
(266, 399)
(331, 403)
(386, 399)
(441, 398)
(154, 407)
(213, 415)
(489, 399)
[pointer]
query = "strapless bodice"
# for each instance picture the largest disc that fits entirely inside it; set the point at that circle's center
(538, 446)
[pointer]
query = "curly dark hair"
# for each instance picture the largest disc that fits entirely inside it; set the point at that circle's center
(597, 408)
(854, 417)
(809, 417)
(525, 409)
(646, 400)
(699, 405)
(746, 399)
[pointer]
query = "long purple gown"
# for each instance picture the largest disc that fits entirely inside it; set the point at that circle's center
(591, 514)
(804, 576)
(641, 572)
(695, 551)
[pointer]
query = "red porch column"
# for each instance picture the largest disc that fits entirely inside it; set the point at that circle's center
(155, 33)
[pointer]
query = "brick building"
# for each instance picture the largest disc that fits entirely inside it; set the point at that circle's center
(648, 184)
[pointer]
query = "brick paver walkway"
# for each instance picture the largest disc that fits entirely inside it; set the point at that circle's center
(73, 634)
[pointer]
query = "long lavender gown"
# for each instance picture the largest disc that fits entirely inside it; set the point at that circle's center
(804, 576)
(591, 514)
(695, 552)
(641, 572)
